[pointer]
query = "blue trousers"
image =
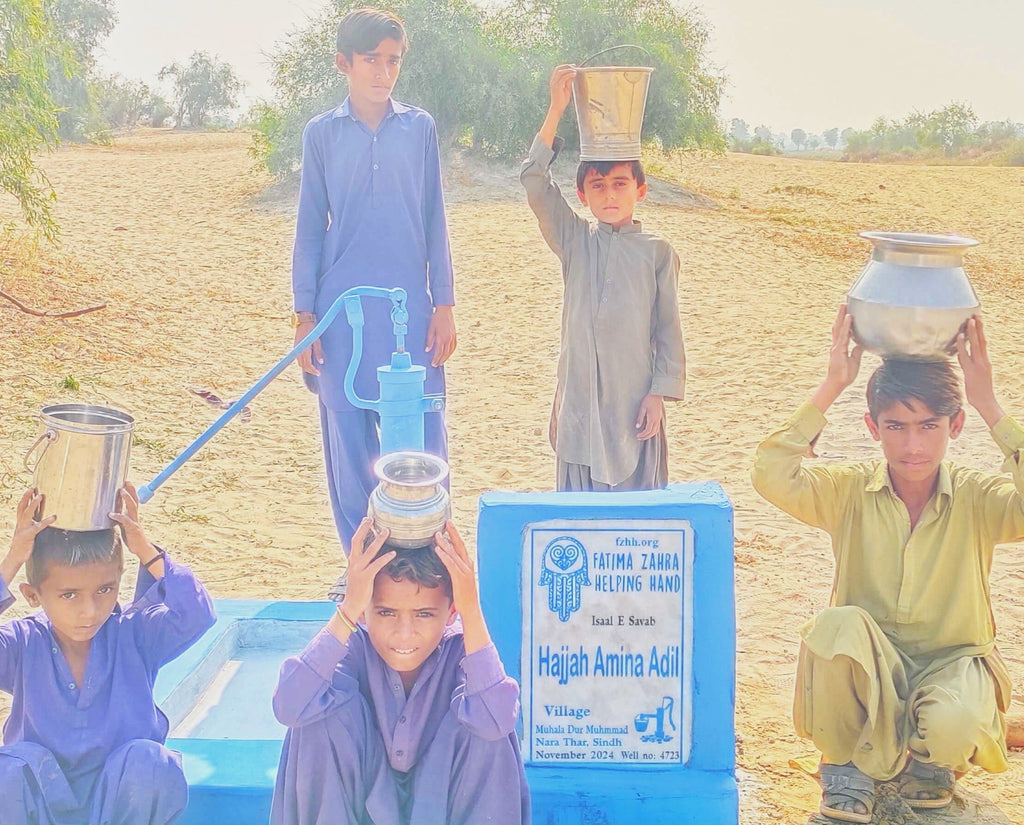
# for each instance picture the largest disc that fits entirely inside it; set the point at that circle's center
(141, 783)
(351, 446)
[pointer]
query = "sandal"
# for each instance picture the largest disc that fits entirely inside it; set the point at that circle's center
(923, 777)
(843, 784)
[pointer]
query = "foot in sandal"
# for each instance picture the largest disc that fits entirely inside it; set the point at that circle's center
(847, 793)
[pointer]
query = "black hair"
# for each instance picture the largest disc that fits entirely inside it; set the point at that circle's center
(933, 383)
(361, 31)
(420, 565)
(72, 548)
(603, 167)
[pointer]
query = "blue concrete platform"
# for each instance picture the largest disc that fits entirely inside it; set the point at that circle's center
(217, 695)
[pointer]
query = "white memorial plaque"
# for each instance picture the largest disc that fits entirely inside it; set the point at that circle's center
(607, 641)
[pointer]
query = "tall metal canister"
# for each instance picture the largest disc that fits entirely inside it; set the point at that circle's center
(81, 462)
(610, 102)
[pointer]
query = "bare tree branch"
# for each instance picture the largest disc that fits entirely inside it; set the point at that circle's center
(7, 296)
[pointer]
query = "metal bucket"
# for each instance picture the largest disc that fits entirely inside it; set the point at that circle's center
(81, 462)
(410, 499)
(913, 296)
(610, 103)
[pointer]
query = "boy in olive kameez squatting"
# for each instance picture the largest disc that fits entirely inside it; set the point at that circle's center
(901, 676)
(622, 343)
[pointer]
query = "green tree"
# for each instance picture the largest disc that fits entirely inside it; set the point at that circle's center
(205, 86)
(739, 131)
(28, 122)
(831, 137)
(685, 90)
(799, 138)
(82, 25)
(482, 70)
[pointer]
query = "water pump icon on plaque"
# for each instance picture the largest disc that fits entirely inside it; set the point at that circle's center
(607, 642)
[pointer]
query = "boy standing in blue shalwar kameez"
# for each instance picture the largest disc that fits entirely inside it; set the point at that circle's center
(371, 212)
(84, 741)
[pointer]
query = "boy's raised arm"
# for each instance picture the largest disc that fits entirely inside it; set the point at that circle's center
(1002, 502)
(488, 702)
(810, 494)
(558, 221)
(311, 685)
(26, 528)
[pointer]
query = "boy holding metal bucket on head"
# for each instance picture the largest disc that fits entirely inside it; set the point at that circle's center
(84, 740)
(901, 676)
(622, 343)
(371, 212)
(399, 711)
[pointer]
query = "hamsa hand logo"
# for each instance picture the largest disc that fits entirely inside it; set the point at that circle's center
(564, 571)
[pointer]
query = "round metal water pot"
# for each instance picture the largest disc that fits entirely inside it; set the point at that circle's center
(81, 461)
(410, 499)
(913, 296)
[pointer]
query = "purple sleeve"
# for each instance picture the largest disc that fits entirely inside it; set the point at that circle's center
(6, 596)
(487, 703)
(171, 615)
(440, 275)
(311, 224)
(319, 680)
(10, 645)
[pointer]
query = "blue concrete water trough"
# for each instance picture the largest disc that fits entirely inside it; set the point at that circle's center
(217, 697)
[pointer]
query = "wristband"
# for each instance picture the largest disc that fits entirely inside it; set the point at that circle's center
(160, 554)
(303, 318)
(346, 620)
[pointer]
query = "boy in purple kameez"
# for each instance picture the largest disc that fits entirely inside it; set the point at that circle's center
(370, 213)
(407, 717)
(84, 741)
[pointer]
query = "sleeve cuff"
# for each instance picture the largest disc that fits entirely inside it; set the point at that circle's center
(669, 387)
(6, 596)
(443, 297)
(807, 421)
(1009, 435)
(483, 669)
(323, 654)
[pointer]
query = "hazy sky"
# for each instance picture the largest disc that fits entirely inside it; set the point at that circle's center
(808, 63)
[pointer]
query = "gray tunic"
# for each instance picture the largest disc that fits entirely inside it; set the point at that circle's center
(621, 335)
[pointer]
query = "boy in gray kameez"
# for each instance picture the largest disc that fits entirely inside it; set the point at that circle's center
(622, 342)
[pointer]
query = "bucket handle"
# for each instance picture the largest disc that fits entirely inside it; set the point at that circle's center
(613, 48)
(49, 436)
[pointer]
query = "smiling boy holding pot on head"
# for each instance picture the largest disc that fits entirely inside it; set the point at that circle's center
(901, 676)
(399, 710)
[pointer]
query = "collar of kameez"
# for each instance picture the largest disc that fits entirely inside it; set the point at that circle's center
(880, 480)
(629, 229)
(394, 108)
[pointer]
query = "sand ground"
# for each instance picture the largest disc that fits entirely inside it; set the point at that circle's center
(180, 234)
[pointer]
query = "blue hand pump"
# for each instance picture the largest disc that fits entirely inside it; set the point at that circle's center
(402, 402)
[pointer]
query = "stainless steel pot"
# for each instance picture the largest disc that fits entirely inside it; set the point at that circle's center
(410, 499)
(913, 296)
(82, 461)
